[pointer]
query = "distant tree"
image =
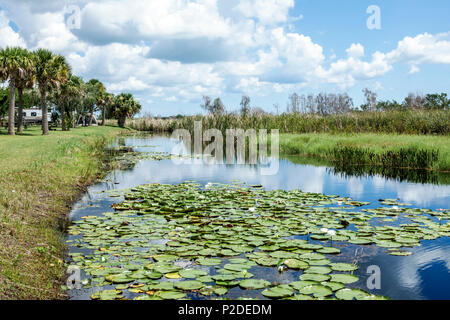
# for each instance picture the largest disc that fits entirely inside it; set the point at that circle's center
(50, 71)
(207, 106)
(125, 106)
(214, 108)
(277, 108)
(437, 102)
(245, 106)
(344, 103)
(66, 97)
(371, 100)
(415, 101)
(105, 102)
(25, 82)
(218, 107)
(321, 104)
(15, 66)
(390, 106)
(95, 92)
(293, 103)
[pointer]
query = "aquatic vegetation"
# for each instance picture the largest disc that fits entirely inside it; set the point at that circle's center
(396, 122)
(187, 240)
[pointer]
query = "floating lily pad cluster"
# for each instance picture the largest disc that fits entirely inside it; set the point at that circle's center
(126, 157)
(186, 240)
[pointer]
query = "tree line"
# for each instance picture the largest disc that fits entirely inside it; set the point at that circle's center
(325, 104)
(42, 77)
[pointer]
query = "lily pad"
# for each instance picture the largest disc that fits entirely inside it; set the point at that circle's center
(189, 285)
(296, 264)
(192, 273)
(278, 292)
(318, 291)
(351, 294)
(254, 284)
(344, 267)
(344, 278)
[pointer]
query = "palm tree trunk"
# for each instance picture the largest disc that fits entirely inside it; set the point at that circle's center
(91, 116)
(63, 117)
(44, 112)
(121, 121)
(12, 105)
(20, 111)
(104, 115)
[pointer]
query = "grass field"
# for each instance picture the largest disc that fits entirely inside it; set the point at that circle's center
(40, 176)
(372, 149)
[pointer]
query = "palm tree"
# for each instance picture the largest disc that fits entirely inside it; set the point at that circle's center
(67, 96)
(15, 63)
(105, 102)
(23, 83)
(96, 90)
(51, 70)
(125, 106)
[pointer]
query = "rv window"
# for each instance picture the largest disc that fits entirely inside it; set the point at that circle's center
(33, 114)
(24, 114)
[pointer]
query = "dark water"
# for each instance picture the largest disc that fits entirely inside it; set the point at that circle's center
(423, 275)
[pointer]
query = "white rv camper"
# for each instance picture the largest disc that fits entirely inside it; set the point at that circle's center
(35, 116)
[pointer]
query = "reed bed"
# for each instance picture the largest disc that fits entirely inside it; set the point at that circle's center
(390, 122)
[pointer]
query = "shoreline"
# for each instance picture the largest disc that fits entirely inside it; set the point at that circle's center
(37, 191)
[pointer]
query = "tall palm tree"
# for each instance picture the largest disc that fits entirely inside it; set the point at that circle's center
(107, 102)
(23, 83)
(96, 91)
(51, 70)
(66, 97)
(15, 63)
(125, 106)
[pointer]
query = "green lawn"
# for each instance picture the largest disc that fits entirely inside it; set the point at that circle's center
(40, 176)
(320, 145)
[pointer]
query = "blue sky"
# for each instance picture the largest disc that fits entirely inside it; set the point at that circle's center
(170, 53)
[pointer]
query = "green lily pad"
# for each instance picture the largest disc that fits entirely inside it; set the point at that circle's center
(192, 273)
(296, 264)
(343, 278)
(297, 285)
(351, 294)
(189, 285)
(314, 277)
(278, 292)
(319, 291)
(318, 270)
(171, 295)
(344, 267)
(254, 284)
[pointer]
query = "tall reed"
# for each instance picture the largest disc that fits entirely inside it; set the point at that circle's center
(398, 122)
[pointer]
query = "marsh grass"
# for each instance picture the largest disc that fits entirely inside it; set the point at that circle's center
(383, 150)
(40, 177)
(392, 122)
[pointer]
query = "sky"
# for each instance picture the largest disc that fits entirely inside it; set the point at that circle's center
(171, 53)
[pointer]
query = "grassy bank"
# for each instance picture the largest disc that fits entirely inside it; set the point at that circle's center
(410, 151)
(40, 176)
(393, 122)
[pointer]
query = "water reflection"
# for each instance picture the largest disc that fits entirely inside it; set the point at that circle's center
(423, 275)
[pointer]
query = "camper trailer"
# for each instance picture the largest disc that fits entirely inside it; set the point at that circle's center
(34, 116)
